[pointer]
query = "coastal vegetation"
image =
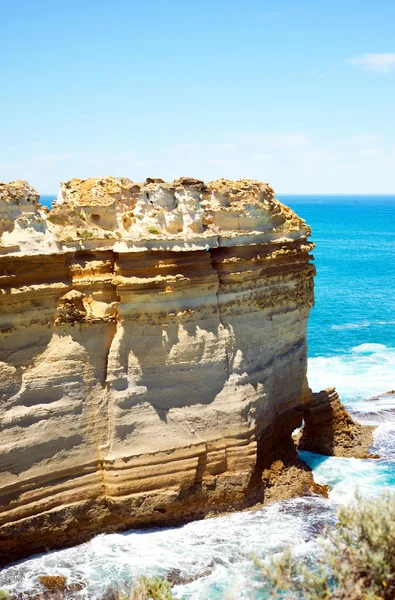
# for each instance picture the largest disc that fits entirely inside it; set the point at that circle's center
(55, 587)
(357, 559)
(356, 562)
(150, 588)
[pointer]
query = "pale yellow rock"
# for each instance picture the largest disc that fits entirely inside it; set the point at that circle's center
(153, 352)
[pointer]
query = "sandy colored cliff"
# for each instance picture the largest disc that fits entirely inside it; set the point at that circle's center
(152, 353)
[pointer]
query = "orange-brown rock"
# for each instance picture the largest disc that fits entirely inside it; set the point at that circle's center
(286, 476)
(152, 353)
(53, 582)
(329, 429)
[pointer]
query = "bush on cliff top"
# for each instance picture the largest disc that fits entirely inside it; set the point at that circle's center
(357, 560)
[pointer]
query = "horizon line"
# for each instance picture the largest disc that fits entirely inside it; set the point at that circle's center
(300, 194)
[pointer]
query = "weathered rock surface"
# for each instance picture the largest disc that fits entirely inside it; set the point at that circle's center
(152, 353)
(329, 429)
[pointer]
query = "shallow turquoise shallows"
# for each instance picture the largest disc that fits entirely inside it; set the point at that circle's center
(351, 346)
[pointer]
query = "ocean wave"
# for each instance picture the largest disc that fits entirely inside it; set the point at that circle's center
(384, 440)
(347, 475)
(365, 371)
(360, 325)
(214, 554)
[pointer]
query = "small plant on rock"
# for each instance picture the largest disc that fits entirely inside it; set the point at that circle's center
(57, 218)
(86, 235)
(153, 230)
(151, 588)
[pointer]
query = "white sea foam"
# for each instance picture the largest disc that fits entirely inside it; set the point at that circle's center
(360, 325)
(216, 551)
(347, 475)
(384, 440)
(345, 326)
(366, 370)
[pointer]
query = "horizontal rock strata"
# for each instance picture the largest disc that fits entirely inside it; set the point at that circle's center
(152, 353)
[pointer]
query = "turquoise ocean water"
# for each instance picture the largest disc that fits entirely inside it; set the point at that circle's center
(351, 339)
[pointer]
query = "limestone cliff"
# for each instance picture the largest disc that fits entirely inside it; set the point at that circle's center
(152, 354)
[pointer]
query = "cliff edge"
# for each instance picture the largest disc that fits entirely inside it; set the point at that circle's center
(152, 357)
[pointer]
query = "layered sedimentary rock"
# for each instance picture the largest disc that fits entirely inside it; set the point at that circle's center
(329, 429)
(152, 353)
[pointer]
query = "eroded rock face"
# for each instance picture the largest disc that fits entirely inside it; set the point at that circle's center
(329, 429)
(152, 354)
(22, 218)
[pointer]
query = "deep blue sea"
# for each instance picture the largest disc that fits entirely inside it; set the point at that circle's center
(351, 339)
(355, 260)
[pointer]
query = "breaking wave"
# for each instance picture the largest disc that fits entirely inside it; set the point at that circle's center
(363, 372)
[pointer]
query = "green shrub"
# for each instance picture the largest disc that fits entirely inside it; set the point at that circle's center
(62, 215)
(4, 595)
(86, 235)
(79, 215)
(153, 230)
(150, 588)
(357, 561)
(57, 218)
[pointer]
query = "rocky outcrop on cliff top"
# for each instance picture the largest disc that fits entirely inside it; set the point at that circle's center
(152, 353)
(120, 214)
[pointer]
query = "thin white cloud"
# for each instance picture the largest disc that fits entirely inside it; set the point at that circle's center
(290, 161)
(381, 63)
(370, 152)
(278, 140)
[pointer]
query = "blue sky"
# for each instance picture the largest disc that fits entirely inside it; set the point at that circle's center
(300, 94)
